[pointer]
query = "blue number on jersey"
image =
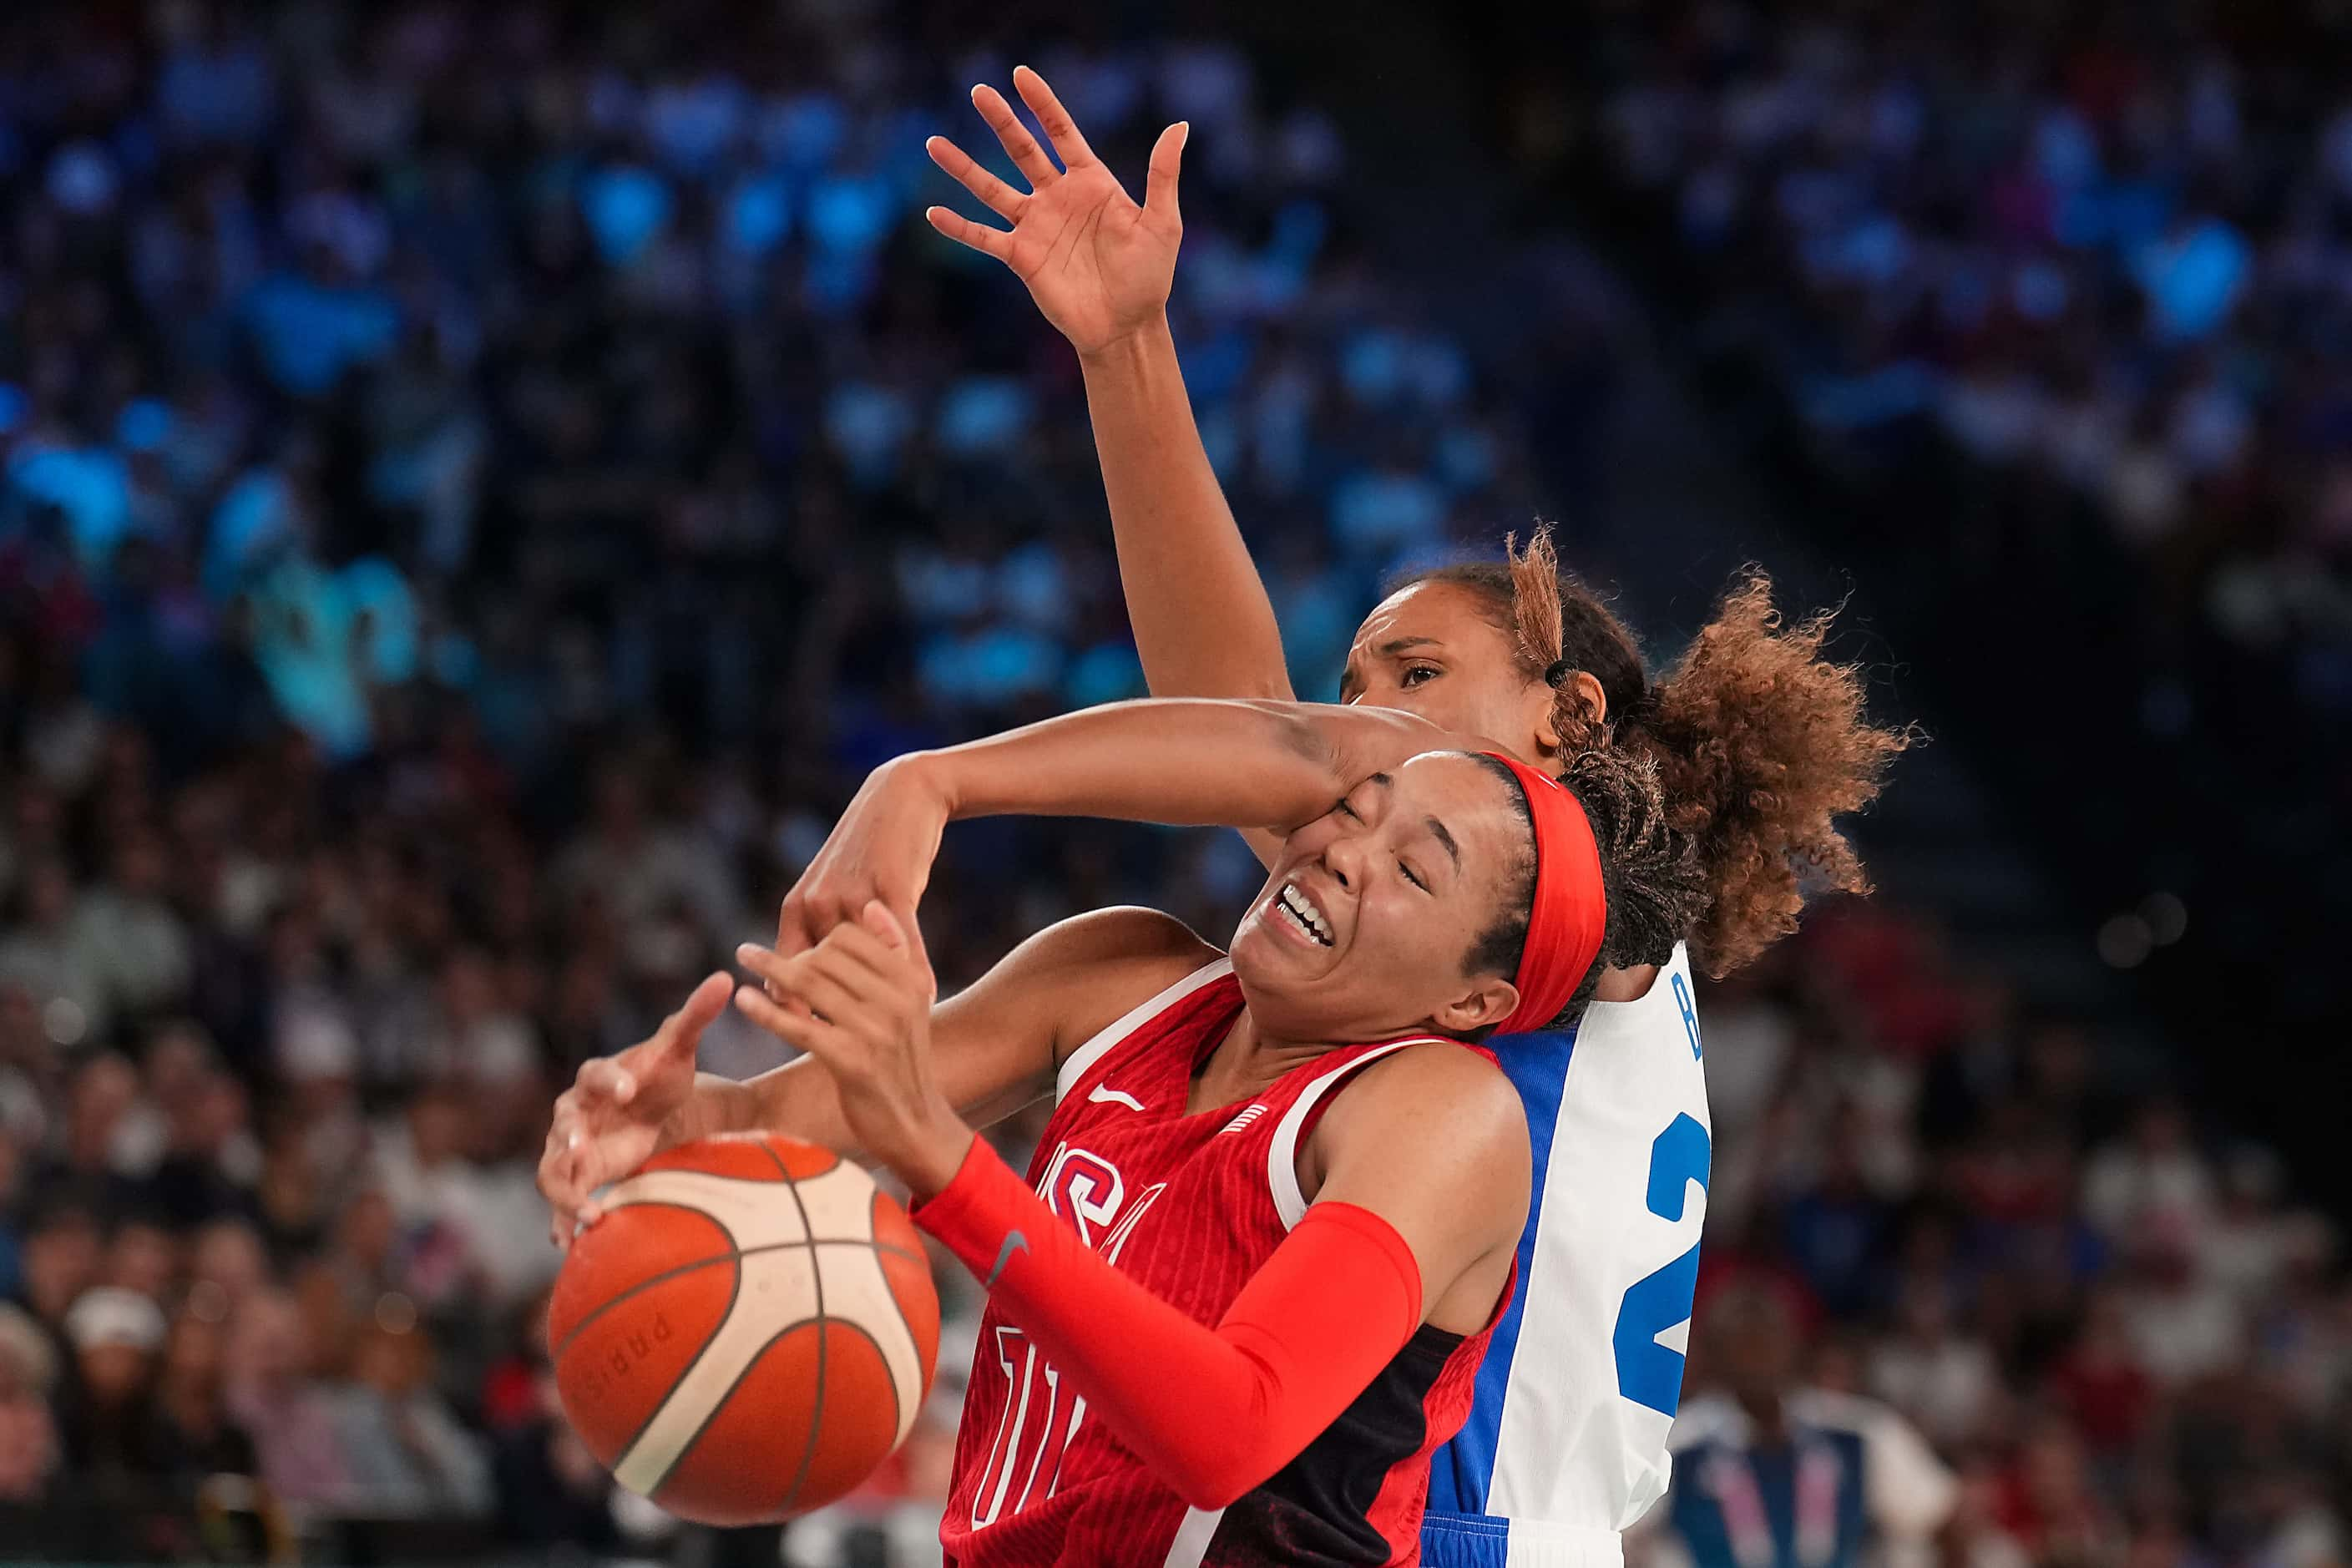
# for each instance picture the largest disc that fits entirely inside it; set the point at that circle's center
(1647, 1372)
(1690, 1013)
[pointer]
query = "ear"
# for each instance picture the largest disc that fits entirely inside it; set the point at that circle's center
(1494, 1000)
(1586, 687)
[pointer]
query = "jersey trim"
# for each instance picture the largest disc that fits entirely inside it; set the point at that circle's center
(1282, 1155)
(1192, 1537)
(1462, 1473)
(1075, 1065)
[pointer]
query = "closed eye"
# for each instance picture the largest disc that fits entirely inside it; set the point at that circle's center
(1409, 876)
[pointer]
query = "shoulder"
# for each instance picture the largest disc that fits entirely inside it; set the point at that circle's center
(1462, 1088)
(1446, 1111)
(1093, 968)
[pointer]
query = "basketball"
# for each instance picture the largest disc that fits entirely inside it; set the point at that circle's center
(749, 1330)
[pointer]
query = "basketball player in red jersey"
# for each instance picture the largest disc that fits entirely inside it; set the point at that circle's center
(1759, 744)
(1240, 1307)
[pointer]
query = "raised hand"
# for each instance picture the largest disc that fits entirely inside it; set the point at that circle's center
(621, 1109)
(860, 1002)
(1098, 265)
(881, 848)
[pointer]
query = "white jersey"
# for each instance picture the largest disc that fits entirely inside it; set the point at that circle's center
(1566, 1443)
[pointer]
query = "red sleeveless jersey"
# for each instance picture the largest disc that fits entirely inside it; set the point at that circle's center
(1189, 1206)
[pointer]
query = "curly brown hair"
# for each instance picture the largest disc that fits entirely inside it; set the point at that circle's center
(1759, 743)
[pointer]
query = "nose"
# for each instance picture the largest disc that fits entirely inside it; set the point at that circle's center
(1343, 861)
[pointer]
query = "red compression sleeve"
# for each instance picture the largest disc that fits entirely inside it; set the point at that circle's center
(1310, 1331)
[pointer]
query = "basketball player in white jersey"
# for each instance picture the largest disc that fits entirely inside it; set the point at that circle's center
(1759, 743)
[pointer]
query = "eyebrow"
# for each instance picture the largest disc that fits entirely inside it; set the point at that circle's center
(1438, 831)
(1398, 644)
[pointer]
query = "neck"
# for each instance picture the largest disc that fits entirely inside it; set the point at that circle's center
(1768, 1415)
(1249, 1058)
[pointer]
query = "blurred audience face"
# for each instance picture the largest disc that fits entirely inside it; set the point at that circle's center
(1752, 1346)
(113, 1374)
(366, 1229)
(194, 1359)
(103, 1092)
(144, 1257)
(438, 1124)
(228, 1256)
(61, 1261)
(176, 1061)
(268, 1345)
(395, 1364)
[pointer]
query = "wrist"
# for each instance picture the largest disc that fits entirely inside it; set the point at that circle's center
(934, 779)
(936, 1154)
(1132, 353)
(716, 1105)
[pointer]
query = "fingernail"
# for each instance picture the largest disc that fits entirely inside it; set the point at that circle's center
(746, 950)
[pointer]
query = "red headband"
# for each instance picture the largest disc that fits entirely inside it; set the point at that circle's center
(1570, 910)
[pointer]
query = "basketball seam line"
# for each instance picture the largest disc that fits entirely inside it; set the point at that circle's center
(734, 1293)
(823, 1347)
(890, 1292)
(556, 1353)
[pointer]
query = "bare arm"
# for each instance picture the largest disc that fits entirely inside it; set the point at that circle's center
(1460, 1200)
(995, 1044)
(1181, 760)
(1203, 624)
(1100, 266)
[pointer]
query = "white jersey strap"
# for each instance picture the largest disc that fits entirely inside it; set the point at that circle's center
(1282, 1159)
(1076, 1064)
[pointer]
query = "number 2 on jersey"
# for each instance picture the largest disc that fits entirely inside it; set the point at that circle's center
(1648, 1373)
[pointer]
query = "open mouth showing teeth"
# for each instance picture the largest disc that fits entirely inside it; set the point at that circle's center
(1305, 915)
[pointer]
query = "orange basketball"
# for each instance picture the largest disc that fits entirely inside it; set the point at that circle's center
(748, 1332)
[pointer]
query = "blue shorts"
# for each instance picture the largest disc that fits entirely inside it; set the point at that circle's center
(1483, 1540)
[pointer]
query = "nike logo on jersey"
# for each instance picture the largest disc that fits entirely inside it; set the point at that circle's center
(1242, 1118)
(1102, 1095)
(1016, 1242)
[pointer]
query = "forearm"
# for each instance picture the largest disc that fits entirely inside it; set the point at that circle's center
(1203, 625)
(801, 1100)
(1186, 762)
(1304, 1337)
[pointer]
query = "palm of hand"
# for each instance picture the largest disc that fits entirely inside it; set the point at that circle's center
(1098, 265)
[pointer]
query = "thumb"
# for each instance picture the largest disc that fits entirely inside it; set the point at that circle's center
(900, 933)
(878, 918)
(1167, 158)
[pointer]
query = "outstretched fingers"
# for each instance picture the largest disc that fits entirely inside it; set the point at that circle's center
(1167, 159)
(988, 241)
(1060, 129)
(961, 166)
(1022, 147)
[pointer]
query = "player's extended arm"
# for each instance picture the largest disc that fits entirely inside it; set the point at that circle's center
(1203, 624)
(1181, 760)
(1100, 266)
(996, 1047)
(1402, 1219)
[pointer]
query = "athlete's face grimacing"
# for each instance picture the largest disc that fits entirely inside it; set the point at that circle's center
(1361, 930)
(1433, 649)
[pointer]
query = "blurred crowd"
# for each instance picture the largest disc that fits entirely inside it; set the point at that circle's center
(2104, 251)
(475, 496)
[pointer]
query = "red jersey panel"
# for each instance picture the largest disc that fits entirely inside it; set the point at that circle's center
(1189, 1206)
